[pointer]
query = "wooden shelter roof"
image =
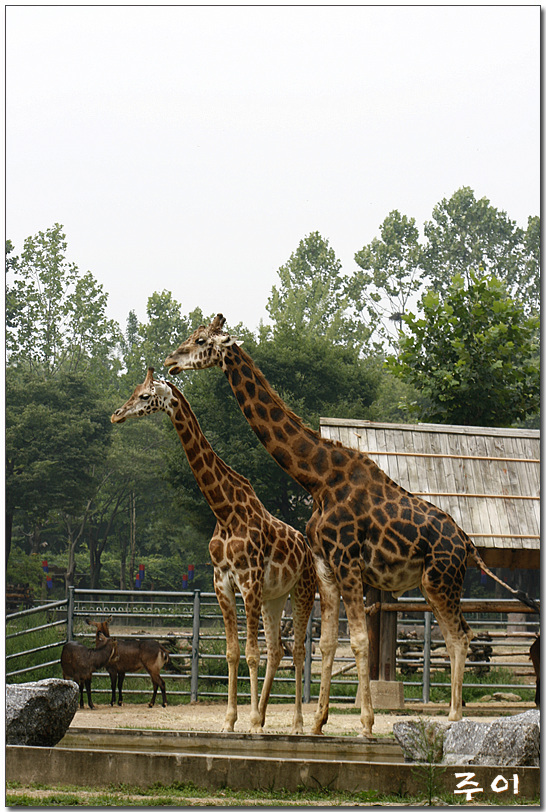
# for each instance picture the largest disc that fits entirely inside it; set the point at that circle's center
(488, 479)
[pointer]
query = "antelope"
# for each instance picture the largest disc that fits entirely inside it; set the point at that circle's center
(78, 662)
(134, 655)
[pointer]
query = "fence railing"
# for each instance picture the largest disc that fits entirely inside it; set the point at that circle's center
(190, 624)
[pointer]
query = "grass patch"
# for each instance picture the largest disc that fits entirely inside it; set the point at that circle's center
(187, 794)
(488, 683)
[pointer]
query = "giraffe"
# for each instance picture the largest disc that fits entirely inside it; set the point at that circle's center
(364, 529)
(251, 551)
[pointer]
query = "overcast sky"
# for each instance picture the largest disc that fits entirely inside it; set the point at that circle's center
(192, 148)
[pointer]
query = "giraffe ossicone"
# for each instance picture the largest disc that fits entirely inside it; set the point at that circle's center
(364, 527)
(251, 550)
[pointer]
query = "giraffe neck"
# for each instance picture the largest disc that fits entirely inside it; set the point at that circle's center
(298, 449)
(216, 480)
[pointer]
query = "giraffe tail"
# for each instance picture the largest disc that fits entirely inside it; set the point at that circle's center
(521, 596)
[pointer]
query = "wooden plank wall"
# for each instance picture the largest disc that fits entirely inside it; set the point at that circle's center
(487, 479)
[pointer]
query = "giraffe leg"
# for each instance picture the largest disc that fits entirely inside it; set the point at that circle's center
(302, 603)
(457, 635)
(329, 610)
(226, 600)
(271, 614)
(358, 631)
(252, 653)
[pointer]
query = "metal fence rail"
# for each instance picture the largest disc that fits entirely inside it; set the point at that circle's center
(190, 624)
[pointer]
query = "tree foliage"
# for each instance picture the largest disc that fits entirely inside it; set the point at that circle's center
(56, 316)
(390, 274)
(101, 499)
(57, 434)
(315, 297)
(472, 355)
(467, 236)
(147, 344)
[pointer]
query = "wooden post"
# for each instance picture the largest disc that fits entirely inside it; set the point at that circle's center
(387, 641)
(194, 679)
(374, 631)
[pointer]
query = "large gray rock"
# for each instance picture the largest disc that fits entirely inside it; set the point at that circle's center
(421, 740)
(511, 742)
(40, 713)
(463, 740)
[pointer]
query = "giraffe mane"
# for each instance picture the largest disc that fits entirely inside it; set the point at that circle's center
(280, 402)
(215, 329)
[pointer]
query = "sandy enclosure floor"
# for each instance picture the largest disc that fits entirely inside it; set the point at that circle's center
(209, 717)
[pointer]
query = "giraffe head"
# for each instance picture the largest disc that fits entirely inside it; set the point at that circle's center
(148, 397)
(204, 348)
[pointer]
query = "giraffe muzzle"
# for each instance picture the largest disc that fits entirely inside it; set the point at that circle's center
(117, 418)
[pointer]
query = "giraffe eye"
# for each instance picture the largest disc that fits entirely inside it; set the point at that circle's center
(199, 340)
(145, 397)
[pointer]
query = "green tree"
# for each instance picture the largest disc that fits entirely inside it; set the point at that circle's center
(57, 316)
(390, 274)
(528, 273)
(130, 495)
(467, 235)
(472, 355)
(57, 434)
(148, 343)
(315, 296)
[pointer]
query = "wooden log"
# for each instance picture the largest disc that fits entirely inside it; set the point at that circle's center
(505, 607)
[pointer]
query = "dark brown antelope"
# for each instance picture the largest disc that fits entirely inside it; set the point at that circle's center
(79, 662)
(134, 655)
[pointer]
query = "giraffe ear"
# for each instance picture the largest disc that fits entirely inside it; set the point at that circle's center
(226, 340)
(162, 387)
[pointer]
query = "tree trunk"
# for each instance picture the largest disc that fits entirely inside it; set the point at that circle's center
(35, 539)
(74, 536)
(9, 529)
(132, 537)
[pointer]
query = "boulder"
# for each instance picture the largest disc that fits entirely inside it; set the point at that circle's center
(463, 740)
(40, 713)
(513, 741)
(421, 740)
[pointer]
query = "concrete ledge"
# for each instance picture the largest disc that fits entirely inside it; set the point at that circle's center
(86, 767)
(256, 745)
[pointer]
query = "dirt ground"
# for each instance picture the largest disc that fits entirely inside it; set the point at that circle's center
(208, 717)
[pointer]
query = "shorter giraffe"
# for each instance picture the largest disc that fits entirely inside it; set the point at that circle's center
(252, 552)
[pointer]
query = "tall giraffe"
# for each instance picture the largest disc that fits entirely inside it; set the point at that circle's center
(251, 551)
(364, 528)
